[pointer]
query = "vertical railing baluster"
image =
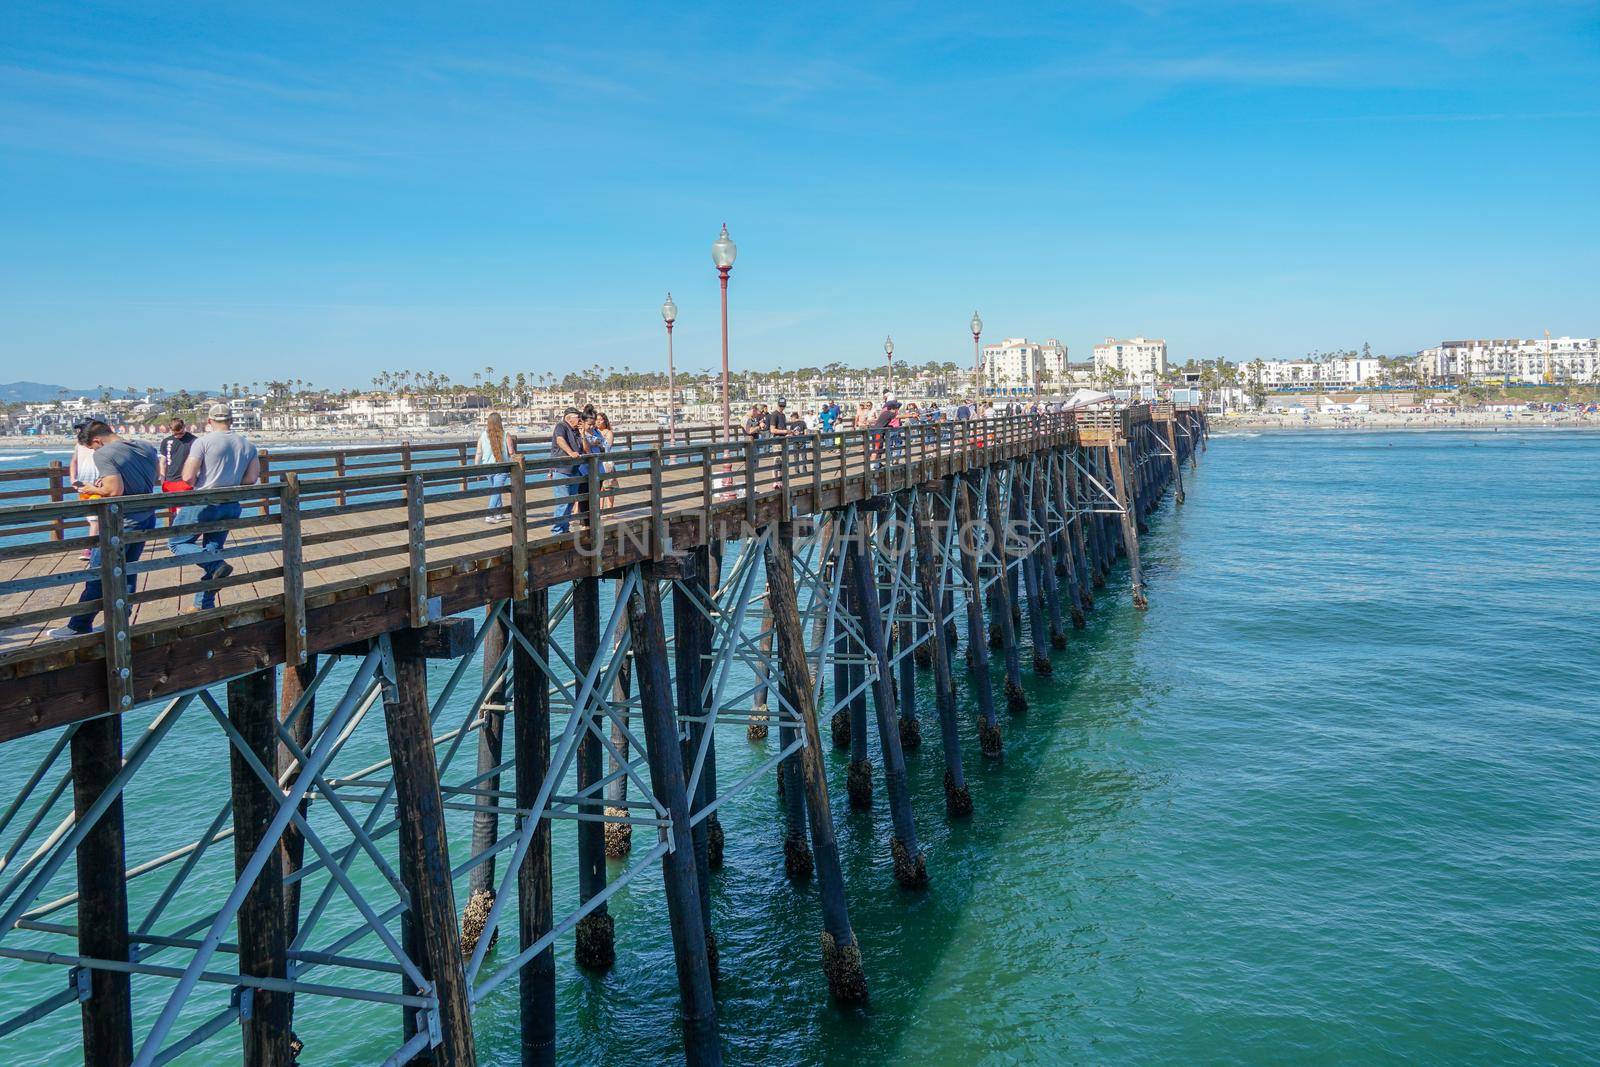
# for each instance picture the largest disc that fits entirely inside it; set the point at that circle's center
(115, 606)
(750, 461)
(658, 521)
(294, 580)
(58, 492)
(596, 521)
(416, 549)
(519, 528)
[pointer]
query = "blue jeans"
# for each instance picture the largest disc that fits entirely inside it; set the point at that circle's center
(569, 490)
(498, 481)
(206, 544)
(92, 588)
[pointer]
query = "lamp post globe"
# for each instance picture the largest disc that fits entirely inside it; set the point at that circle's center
(669, 315)
(723, 251)
(888, 354)
(976, 325)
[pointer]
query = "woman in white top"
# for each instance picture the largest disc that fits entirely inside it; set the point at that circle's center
(82, 471)
(494, 447)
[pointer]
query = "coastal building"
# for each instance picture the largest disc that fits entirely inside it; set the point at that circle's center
(1532, 360)
(1019, 365)
(1340, 372)
(1134, 359)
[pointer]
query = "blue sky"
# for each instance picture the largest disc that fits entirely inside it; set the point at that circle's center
(193, 193)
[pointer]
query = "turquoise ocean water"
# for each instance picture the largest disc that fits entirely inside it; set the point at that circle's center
(1334, 798)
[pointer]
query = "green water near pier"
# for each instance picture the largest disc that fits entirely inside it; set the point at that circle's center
(1333, 798)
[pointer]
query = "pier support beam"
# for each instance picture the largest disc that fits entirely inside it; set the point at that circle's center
(1080, 599)
(691, 649)
(1032, 582)
(841, 955)
(1130, 531)
(530, 703)
(969, 539)
(263, 933)
(708, 771)
(757, 728)
(619, 835)
(905, 630)
(486, 820)
(1177, 462)
(840, 725)
(1000, 607)
(910, 870)
(102, 894)
(596, 941)
(957, 799)
(701, 1044)
(430, 922)
(297, 680)
(1048, 570)
(797, 861)
(858, 776)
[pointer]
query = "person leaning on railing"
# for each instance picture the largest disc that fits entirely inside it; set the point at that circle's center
(566, 442)
(126, 468)
(218, 459)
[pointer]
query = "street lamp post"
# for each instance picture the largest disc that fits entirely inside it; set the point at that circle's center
(976, 325)
(723, 252)
(888, 352)
(669, 313)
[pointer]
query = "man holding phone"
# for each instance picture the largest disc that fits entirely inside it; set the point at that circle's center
(126, 468)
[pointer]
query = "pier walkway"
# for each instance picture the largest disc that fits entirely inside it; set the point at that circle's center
(754, 585)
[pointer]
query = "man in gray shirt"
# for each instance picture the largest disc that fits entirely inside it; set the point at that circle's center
(127, 468)
(218, 459)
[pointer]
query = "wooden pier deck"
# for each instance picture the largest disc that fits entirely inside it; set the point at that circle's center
(345, 864)
(364, 553)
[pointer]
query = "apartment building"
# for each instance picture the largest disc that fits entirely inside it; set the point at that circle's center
(1338, 373)
(1553, 359)
(1134, 359)
(1017, 365)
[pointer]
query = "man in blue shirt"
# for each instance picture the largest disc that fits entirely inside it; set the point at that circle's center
(566, 442)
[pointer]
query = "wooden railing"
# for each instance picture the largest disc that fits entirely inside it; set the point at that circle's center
(308, 532)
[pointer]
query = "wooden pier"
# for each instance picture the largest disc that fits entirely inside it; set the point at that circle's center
(703, 586)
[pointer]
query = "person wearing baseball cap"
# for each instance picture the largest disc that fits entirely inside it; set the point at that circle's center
(218, 458)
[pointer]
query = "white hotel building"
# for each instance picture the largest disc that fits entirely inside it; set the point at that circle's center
(1338, 373)
(1019, 365)
(1136, 360)
(1555, 359)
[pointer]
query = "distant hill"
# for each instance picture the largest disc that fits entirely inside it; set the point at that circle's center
(39, 392)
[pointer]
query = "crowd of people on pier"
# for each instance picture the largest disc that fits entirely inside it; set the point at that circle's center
(582, 434)
(105, 464)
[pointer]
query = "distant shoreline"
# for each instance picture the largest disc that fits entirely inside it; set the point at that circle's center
(1483, 423)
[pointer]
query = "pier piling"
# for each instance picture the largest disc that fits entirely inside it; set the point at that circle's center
(841, 955)
(430, 922)
(530, 704)
(690, 939)
(107, 1013)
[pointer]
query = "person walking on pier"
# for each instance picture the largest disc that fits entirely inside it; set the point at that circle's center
(125, 468)
(566, 442)
(173, 453)
(494, 447)
(218, 459)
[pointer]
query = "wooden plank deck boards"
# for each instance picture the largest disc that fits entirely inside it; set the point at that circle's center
(48, 682)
